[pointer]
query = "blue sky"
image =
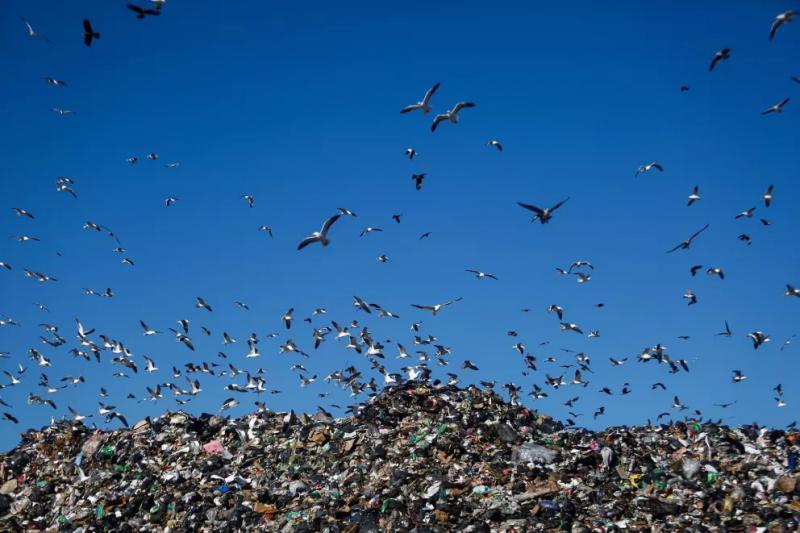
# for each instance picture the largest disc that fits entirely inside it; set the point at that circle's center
(298, 105)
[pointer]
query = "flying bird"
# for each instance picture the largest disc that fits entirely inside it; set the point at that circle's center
(688, 242)
(201, 304)
(542, 215)
(410, 152)
(722, 55)
(54, 81)
(320, 236)
(451, 115)
(424, 104)
(436, 308)
(767, 196)
(780, 20)
(496, 144)
(694, 196)
(481, 275)
(777, 108)
(418, 180)
(62, 112)
(89, 33)
(648, 167)
(141, 12)
(33, 33)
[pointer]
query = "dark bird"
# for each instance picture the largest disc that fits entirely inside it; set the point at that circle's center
(688, 242)
(141, 12)
(10, 417)
(722, 55)
(726, 333)
(542, 215)
(418, 180)
(89, 33)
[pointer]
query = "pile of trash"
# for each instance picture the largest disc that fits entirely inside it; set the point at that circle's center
(414, 457)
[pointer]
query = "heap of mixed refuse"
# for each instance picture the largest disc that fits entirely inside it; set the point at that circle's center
(412, 458)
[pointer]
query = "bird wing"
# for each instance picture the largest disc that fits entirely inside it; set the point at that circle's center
(698, 232)
(136, 9)
(461, 105)
(436, 120)
(328, 223)
(559, 204)
(305, 242)
(411, 107)
(429, 93)
(774, 28)
(530, 207)
(87, 26)
(425, 307)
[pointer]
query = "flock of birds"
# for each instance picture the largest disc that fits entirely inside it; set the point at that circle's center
(183, 384)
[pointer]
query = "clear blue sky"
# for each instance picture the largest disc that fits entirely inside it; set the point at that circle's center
(298, 105)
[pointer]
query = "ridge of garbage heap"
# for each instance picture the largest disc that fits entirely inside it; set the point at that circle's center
(412, 458)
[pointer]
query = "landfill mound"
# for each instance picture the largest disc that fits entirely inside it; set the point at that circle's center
(414, 457)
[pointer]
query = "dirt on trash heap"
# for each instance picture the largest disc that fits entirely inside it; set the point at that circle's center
(413, 458)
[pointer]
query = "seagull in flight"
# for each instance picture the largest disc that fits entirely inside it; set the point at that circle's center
(780, 20)
(451, 115)
(251, 200)
(424, 104)
(648, 167)
(410, 152)
(62, 112)
(436, 308)
(481, 275)
(55, 81)
(758, 338)
(542, 215)
(688, 242)
(722, 55)
(496, 144)
(767, 196)
(777, 108)
(33, 33)
(418, 180)
(369, 229)
(694, 196)
(320, 236)
(22, 212)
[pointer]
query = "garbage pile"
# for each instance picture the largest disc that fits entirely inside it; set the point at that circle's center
(414, 457)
